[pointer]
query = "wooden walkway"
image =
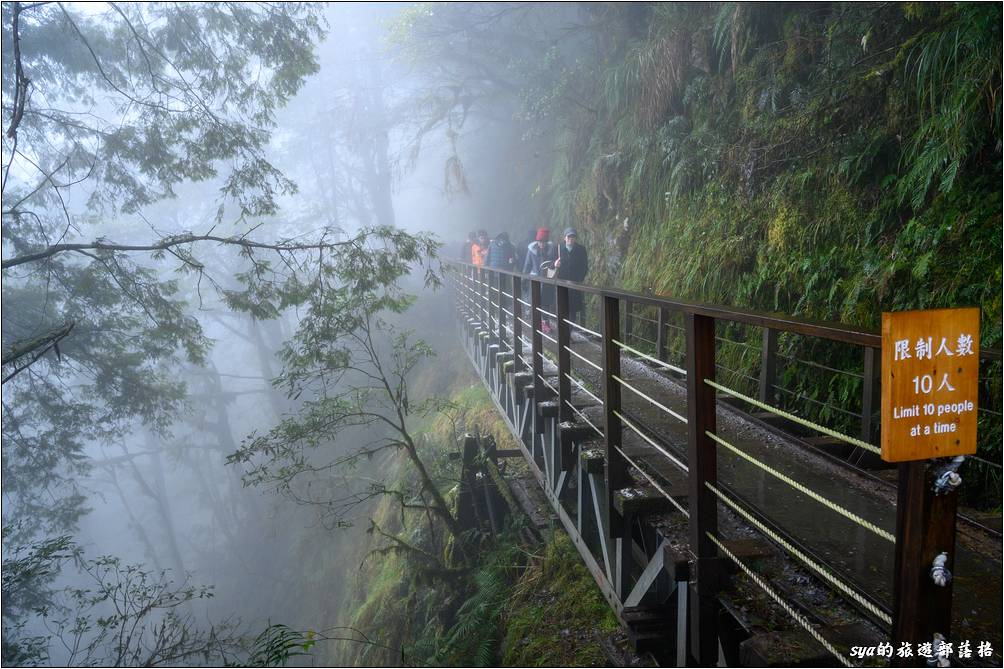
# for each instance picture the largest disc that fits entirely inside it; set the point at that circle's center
(815, 539)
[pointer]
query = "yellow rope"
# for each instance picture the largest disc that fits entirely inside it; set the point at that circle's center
(801, 488)
(798, 617)
(797, 419)
(819, 569)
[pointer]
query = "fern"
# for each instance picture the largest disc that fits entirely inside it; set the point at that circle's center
(957, 72)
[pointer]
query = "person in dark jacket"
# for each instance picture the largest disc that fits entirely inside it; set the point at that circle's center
(521, 248)
(539, 251)
(572, 264)
(465, 248)
(501, 254)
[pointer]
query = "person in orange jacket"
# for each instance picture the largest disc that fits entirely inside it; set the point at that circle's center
(479, 249)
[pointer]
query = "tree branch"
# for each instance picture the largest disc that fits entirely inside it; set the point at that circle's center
(167, 243)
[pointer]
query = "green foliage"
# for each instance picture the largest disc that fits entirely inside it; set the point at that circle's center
(474, 637)
(555, 611)
(830, 165)
(121, 615)
(956, 67)
(277, 644)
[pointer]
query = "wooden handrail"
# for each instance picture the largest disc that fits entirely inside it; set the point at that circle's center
(839, 332)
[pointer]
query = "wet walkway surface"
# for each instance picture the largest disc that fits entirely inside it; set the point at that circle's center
(853, 553)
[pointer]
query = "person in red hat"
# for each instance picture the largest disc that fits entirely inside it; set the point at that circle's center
(539, 251)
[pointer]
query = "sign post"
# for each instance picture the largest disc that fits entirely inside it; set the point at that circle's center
(930, 382)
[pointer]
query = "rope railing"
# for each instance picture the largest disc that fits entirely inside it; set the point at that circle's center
(669, 456)
(584, 359)
(817, 365)
(672, 368)
(544, 381)
(735, 343)
(833, 506)
(788, 608)
(547, 337)
(645, 318)
(546, 313)
(809, 562)
(583, 328)
(646, 397)
(583, 388)
(796, 419)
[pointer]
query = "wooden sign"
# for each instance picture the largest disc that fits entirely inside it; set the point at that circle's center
(930, 383)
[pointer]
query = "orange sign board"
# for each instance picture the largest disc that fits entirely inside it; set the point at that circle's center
(930, 383)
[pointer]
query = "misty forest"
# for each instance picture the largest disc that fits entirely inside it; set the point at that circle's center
(240, 425)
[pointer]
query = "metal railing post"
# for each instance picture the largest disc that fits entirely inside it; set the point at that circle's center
(768, 366)
(483, 292)
(517, 325)
(564, 357)
(702, 461)
(537, 348)
(617, 471)
(500, 315)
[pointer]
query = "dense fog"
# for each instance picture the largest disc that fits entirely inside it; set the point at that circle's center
(229, 344)
(145, 480)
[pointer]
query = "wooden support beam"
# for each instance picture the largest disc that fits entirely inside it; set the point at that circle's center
(617, 469)
(768, 365)
(564, 357)
(640, 502)
(517, 325)
(628, 321)
(593, 460)
(702, 460)
(925, 528)
(869, 384)
(537, 344)
(660, 335)
(499, 314)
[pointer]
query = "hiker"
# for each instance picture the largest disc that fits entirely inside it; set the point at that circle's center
(572, 264)
(465, 248)
(521, 248)
(479, 249)
(501, 254)
(540, 251)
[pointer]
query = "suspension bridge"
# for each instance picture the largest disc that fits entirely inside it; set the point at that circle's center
(728, 517)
